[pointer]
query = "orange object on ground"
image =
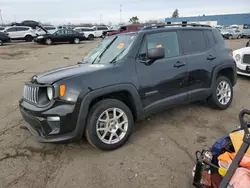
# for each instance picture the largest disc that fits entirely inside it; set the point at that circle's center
(241, 178)
(226, 158)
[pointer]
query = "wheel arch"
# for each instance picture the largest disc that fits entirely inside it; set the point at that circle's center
(126, 93)
(227, 70)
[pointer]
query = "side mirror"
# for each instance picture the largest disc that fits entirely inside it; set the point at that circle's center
(156, 53)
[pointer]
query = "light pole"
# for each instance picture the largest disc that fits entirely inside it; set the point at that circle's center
(120, 14)
(1, 16)
(100, 19)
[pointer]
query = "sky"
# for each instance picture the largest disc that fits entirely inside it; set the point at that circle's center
(105, 11)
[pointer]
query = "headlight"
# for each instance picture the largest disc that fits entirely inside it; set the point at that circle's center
(237, 57)
(50, 93)
(40, 37)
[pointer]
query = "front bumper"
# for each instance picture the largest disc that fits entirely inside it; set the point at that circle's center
(45, 130)
(242, 69)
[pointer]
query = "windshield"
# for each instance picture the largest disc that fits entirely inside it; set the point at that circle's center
(110, 49)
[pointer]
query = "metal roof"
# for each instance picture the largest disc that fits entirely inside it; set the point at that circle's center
(225, 19)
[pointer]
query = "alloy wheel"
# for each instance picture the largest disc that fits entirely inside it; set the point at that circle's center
(112, 126)
(223, 92)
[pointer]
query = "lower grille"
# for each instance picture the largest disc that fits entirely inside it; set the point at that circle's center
(246, 58)
(30, 93)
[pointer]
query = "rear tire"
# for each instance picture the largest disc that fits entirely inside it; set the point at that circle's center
(222, 95)
(28, 38)
(91, 37)
(109, 124)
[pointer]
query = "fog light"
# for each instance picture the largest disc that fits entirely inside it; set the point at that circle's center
(53, 118)
(54, 123)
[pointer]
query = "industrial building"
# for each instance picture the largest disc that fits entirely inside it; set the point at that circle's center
(213, 20)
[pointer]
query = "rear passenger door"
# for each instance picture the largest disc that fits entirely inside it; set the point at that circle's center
(201, 57)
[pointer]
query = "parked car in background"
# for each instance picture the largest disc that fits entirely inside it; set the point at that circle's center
(29, 23)
(4, 38)
(246, 33)
(186, 64)
(21, 33)
(46, 29)
(242, 59)
(124, 29)
(61, 35)
(89, 33)
(231, 34)
(99, 30)
(2, 28)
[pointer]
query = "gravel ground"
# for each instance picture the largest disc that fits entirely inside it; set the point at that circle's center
(160, 152)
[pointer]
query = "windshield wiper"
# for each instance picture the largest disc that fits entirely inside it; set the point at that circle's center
(105, 49)
(114, 60)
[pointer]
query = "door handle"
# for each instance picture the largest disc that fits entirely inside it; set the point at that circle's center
(211, 58)
(179, 64)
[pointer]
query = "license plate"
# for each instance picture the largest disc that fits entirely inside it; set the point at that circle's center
(248, 68)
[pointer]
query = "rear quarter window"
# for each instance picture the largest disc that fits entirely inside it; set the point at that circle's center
(193, 41)
(209, 38)
(217, 36)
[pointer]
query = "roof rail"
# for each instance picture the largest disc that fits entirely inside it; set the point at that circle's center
(171, 25)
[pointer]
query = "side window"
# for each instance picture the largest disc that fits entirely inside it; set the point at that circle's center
(193, 41)
(60, 32)
(12, 29)
(166, 40)
(210, 38)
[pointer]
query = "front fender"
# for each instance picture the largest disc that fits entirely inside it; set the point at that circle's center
(84, 101)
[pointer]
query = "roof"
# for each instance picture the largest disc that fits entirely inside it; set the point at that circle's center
(225, 19)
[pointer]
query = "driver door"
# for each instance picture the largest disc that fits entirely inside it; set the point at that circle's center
(163, 83)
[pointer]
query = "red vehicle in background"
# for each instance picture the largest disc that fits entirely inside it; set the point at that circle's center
(124, 29)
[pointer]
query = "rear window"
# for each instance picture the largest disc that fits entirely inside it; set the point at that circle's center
(193, 41)
(217, 36)
(210, 38)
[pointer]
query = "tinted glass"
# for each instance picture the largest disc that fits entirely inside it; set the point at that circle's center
(22, 28)
(210, 38)
(11, 29)
(60, 32)
(217, 36)
(50, 28)
(69, 31)
(193, 41)
(102, 28)
(167, 40)
(1, 28)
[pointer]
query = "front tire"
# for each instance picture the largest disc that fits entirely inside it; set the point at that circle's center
(222, 95)
(76, 40)
(1, 42)
(48, 41)
(109, 125)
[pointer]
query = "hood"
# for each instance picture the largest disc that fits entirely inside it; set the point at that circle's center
(245, 50)
(51, 76)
